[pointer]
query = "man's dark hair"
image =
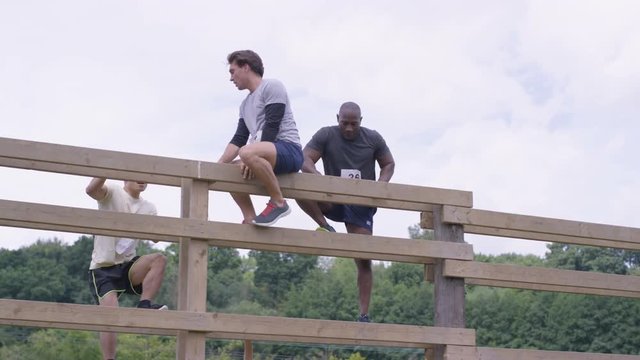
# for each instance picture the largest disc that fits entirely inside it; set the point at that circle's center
(249, 57)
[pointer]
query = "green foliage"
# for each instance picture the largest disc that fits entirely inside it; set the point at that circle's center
(224, 285)
(144, 347)
(53, 344)
(276, 273)
(511, 258)
(586, 258)
(44, 271)
(401, 295)
(327, 294)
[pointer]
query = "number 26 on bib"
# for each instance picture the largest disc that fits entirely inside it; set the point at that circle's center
(350, 173)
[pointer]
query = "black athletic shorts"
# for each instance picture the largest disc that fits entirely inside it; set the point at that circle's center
(112, 278)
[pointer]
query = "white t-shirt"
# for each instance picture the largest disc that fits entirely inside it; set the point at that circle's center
(109, 250)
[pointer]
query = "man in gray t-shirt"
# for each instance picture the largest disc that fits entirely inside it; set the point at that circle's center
(266, 139)
(350, 151)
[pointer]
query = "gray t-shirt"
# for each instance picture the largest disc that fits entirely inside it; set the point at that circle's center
(252, 110)
(349, 158)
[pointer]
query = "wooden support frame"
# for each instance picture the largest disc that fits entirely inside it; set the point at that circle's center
(448, 292)
(52, 217)
(494, 223)
(224, 177)
(192, 268)
(485, 353)
(548, 279)
(228, 326)
(248, 350)
(447, 261)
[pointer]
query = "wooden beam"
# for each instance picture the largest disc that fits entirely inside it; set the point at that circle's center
(30, 215)
(553, 288)
(248, 350)
(265, 327)
(537, 278)
(540, 228)
(122, 165)
(485, 353)
(356, 199)
(448, 292)
(192, 274)
(86, 327)
(88, 171)
(564, 239)
(453, 352)
(426, 222)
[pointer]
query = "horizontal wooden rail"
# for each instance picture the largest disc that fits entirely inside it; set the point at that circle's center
(223, 177)
(61, 218)
(494, 223)
(91, 317)
(509, 354)
(547, 279)
(486, 353)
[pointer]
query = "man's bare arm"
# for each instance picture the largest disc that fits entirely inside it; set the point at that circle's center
(387, 166)
(311, 157)
(96, 188)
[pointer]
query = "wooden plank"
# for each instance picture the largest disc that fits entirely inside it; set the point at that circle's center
(192, 279)
(619, 235)
(553, 288)
(85, 327)
(583, 282)
(248, 350)
(82, 230)
(426, 220)
(296, 330)
(480, 230)
(377, 189)
(461, 353)
(88, 171)
(449, 302)
(485, 353)
(227, 234)
(136, 165)
(192, 276)
(219, 335)
(245, 187)
(322, 196)
(93, 158)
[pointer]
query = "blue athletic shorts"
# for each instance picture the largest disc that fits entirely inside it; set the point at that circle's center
(361, 216)
(288, 157)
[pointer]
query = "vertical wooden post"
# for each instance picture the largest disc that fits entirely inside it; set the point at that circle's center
(248, 350)
(448, 292)
(192, 269)
(426, 222)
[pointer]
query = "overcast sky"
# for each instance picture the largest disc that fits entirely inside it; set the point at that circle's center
(531, 105)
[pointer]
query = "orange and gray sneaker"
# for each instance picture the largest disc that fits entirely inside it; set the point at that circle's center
(271, 214)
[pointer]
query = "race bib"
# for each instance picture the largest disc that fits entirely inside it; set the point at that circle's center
(350, 173)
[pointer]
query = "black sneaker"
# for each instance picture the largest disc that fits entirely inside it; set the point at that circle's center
(327, 227)
(364, 318)
(271, 214)
(148, 305)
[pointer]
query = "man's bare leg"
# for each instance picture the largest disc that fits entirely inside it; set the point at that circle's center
(108, 340)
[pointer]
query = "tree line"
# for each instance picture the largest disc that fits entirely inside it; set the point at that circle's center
(293, 285)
